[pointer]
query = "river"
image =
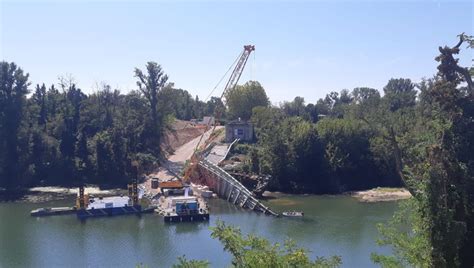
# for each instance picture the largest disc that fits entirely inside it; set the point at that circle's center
(333, 225)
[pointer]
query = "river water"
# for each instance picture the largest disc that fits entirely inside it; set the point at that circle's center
(333, 225)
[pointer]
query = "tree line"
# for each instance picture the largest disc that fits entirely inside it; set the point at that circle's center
(60, 135)
(326, 147)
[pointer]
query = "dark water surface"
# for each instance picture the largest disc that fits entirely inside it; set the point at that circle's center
(333, 225)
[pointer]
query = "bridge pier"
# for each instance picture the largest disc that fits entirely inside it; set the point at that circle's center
(230, 193)
(245, 201)
(236, 197)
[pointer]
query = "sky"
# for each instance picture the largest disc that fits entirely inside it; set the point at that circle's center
(303, 48)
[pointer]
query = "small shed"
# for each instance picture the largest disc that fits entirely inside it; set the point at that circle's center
(239, 129)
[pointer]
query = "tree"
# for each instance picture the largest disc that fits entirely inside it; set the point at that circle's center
(255, 251)
(365, 95)
(39, 98)
(150, 85)
(411, 245)
(13, 89)
(242, 99)
(294, 108)
(435, 162)
(449, 68)
(348, 153)
(399, 93)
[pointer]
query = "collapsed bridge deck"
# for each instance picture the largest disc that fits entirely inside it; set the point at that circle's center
(229, 188)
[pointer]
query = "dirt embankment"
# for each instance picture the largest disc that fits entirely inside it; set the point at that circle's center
(381, 194)
(180, 132)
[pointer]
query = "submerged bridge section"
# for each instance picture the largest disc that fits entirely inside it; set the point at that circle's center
(229, 188)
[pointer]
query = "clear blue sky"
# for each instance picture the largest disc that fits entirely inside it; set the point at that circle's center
(302, 48)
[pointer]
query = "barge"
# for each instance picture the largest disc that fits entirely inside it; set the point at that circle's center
(108, 206)
(89, 206)
(41, 212)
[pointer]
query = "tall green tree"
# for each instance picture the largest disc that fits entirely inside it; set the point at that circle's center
(435, 160)
(13, 89)
(242, 99)
(400, 93)
(39, 98)
(150, 84)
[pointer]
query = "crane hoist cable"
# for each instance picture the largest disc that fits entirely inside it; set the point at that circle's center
(232, 82)
(239, 65)
(222, 78)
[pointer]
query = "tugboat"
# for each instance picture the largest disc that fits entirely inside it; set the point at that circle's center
(89, 206)
(293, 214)
(185, 208)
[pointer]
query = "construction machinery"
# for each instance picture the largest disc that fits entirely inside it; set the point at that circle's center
(237, 72)
(230, 85)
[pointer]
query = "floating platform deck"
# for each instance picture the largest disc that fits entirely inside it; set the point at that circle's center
(113, 211)
(186, 218)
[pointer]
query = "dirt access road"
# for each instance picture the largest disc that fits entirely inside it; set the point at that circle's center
(175, 162)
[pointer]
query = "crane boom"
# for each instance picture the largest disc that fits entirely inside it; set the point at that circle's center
(238, 69)
(233, 80)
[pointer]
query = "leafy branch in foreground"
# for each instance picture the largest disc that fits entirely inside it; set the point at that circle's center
(437, 229)
(254, 251)
(408, 235)
(185, 263)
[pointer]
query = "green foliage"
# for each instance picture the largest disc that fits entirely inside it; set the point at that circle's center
(254, 251)
(348, 152)
(399, 93)
(242, 99)
(340, 152)
(241, 148)
(292, 152)
(13, 89)
(434, 159)
(185, 263)
(182, 105)
(67, 137)
(408, 235)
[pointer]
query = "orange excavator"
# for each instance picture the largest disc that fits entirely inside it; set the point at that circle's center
(239, 63)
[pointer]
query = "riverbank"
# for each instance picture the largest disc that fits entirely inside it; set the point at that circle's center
(49, 193)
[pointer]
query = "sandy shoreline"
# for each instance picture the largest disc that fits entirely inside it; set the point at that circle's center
(49, 193)
(381, 194)
(71, 191)
(43, 194)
